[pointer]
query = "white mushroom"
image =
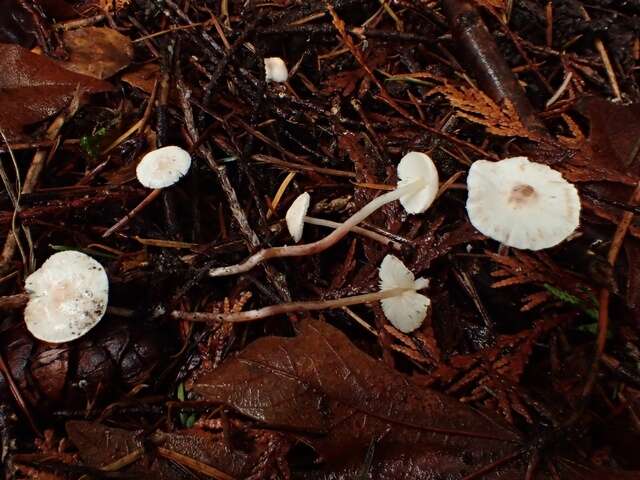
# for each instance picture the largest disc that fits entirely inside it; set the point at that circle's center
(68, 296)
(416, 190)
(406, 311)
(158, 169)
(402, 305)
(163, 167)
(295, 215)
(275, 70)
(412, 167)
(522, 204)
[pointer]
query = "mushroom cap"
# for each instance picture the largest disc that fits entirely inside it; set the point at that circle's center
(417, 166)
(295, 215)
(163, 167)
(406, 311)
(276, 70)
(68, 296)
(522, 204)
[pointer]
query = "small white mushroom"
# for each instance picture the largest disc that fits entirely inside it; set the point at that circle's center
(402, 305)
(522, 204)
(418, 166)
(416, 190)
(295, 215)
(276, 70)
(68, 296)
(158, 169)
(406, 311)
(163, 167)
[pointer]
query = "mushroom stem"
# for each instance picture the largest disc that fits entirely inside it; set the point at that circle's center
(362, 231)
(324, 243)
(137, 209)
(282, 308)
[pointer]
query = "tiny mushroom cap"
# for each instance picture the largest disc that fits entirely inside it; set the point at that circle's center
(522, 204)
(68, 296)
(295, 215)
(414, 167)
(276, 70)
(163, 167)
(406, 311)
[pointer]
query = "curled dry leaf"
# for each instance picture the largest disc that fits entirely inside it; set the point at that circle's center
(97, 51)
(33, 87)
(318, 382)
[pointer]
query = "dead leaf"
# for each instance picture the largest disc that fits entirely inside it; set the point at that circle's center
(33, 87)
(614, 136)
(319, 382)
(100, 445)
(477, 107)
(142, 77)
(97, 51)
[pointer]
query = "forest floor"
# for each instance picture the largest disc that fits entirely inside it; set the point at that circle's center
(527, 365)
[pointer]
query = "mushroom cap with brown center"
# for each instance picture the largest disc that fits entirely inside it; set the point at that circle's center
(68, 296)
(522, 204)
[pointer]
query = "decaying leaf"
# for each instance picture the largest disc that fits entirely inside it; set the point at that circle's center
(319, 382)
(142, 77)
(477, 107)
(97, 51)
(100, 446)
(33, 87)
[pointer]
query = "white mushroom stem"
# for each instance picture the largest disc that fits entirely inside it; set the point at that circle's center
(282, 308)
(324, 243)
(359, 230)
(136, 210)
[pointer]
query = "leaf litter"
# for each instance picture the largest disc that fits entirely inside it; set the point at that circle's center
(501, 380)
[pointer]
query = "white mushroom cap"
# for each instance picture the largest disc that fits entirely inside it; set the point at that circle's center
(295, 215)
(276, 70)
(68, 296)
(521, 204)
(163, 167)
(407, 311)
(417, 166)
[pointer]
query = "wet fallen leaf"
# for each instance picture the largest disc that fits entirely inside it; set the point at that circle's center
(142, 77)
(319, 382)
(97, 51)
(33, 87)
(206, 448)
(614, 135)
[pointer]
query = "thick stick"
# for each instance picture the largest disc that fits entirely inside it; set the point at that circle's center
(486, 63)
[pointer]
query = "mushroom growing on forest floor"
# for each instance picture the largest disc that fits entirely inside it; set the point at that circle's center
(403, 306)
(416, 190)
(297, 216)
(158, 169)
(522, 204)
(275, 70)
(68, 296)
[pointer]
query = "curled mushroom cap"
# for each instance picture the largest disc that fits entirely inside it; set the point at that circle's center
(418, 167)
(276, 70)
(406, 311)
(295, 215)
(68, 296)
(521, 204)
(163, 167)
